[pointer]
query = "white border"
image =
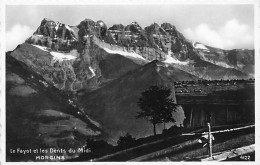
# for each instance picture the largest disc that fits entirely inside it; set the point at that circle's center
(257, 78)
(3, 4)
(124, 2)
(2, 84)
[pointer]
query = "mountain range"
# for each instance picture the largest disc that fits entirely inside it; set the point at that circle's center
(68, 83)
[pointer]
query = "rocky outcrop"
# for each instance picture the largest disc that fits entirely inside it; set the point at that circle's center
(117, 27)
(134, 28)
(47, 28)
(55, 35)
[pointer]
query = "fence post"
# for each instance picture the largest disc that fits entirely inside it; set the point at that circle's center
(209, 141)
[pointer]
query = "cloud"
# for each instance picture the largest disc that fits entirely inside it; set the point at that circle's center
(17, 35)
(230, 36)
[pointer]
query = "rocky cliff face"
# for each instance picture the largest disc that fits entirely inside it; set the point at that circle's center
(90, 41)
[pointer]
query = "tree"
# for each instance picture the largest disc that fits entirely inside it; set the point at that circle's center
(156, 105)
(126, 141)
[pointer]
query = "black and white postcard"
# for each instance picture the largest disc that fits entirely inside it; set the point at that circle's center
(129, 81)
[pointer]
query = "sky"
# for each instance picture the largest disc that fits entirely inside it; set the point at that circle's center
(222, 26)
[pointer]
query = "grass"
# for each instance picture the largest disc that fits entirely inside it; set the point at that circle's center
(192, 155)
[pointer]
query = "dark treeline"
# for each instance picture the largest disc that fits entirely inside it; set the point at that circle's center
(216, 81)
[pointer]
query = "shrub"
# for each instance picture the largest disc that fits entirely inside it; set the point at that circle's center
(126, 141)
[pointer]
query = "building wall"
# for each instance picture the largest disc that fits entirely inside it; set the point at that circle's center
(197, 115)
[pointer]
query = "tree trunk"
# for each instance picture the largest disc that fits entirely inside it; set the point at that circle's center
(154, 129)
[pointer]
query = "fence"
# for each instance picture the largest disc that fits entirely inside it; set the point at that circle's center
(159, 148)
(209, 137)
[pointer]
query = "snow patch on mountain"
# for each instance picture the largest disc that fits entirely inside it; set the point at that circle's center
(171, 60)
(199, 46)
(57, 26)
(41, 47)
(219, 63)
(124, 53)
(202, 56)
(72, 31)
(68, 28)
(58, 56)
(39, 35)
(92, 71)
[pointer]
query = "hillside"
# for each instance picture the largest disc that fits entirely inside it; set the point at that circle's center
(40, 116)
(114, 105)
